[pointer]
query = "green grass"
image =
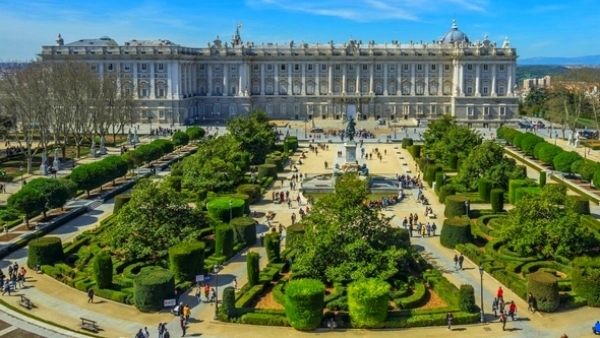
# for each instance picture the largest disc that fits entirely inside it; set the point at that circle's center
(586, 122)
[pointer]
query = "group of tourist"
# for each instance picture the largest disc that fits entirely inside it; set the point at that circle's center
(160, 131)
(407, 181)
(499, 305)
(411, 223)
(384, 202)
(15, 277)
(10, 150)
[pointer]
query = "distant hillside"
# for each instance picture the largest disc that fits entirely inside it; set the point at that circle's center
(528, 72)
(590, 60)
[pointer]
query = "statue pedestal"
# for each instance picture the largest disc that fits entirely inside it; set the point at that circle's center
(56, 164)
(44, 169)
(350, 152)
(102, 150)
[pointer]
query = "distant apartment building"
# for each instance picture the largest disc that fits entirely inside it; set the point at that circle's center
(541, 82)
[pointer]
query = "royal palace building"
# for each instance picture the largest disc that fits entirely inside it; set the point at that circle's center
(472, 80)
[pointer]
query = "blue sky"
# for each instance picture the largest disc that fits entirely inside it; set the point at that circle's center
(536, 28)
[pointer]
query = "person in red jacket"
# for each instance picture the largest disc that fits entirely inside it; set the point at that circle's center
(500, 293)
(512, 310)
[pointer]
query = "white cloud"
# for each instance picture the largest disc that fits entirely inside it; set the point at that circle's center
(371, 10)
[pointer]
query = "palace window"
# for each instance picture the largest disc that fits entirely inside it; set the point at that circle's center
(201, 67)
(378, 90)
(255, 89)
(486, 67)
(144, 92)
(351, 88)
(364, 88)
(405, 66)
(392, 67)
(233, 67)
(486, 111)
(469, 67)
(470, 111)
(144, 66)
(126, 67)
(127, 91)
(282, 108)
(161, 92)
(433, 88)
(323, 67)
(378, 67)
(232, 90)
(297, 66)
(419, 110)
(233, 109)
(110, 67)
(485, 90)
(469, 90)
(217, 109)
(161, 66)
(433, 110)
(501, 90)
(269, 67)
(310, 67)
(419, 88)
(323, 88)
(297, 88)
(392, 89)
(447, 68)
(502, 110)
(338, 67)
(501, 67)
(406, 88)
(310, 89)
(282, 66)
(433, 67)
(269, 108)
(365, 67)
(350, 67)
(269, 89)
(255, 67)
(218, 90)
(161, 114)
(447, 88)
(419, 67)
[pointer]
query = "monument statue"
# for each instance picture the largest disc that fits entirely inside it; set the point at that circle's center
(350, 129)
(56, 163)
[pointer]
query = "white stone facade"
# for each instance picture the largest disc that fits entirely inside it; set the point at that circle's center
(472, 81)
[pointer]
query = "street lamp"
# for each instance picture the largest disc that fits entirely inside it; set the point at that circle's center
(22, 174)
(481, 289)
(305, 121)
(216, 272)
(230, 210)
(467, 207)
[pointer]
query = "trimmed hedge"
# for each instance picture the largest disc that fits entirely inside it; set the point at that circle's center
(244, 198)
(186, 260)
(585, 280)
(224, 240)
(453, 161)
(252, 268)
(44, 251)
(431, 172)
(304, 303)
(245, 227)
(120, 201)
(466, 299)
(529, 142)
(445, 191)
(294, 235)
(581, 205)
(151, 288)
(276, 160)
(544, 288)
(273, 247)
(439, 180)
(520, 193)
(455, 206)
(228, 302)
(484, 189)
(407, 142)
(417, 297)
(542, 179)
(267, 170)
(497, 200)
(219, 208)
(103, 270)
(252, 190)
(415, 151)
(368, 301)
(513, 185)
(455, 231)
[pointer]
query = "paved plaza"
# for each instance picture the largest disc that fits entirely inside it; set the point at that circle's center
(57, 303)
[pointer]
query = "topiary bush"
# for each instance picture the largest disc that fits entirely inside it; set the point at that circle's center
(252, 190)
(276, 160)
(151, 287)
(228, 302)
(220, 209)
(580, 204)
(424, 163)
(368, 301)
(304, 303)
(447, 190)
(453, 161)
(120, 201)
(538, 147)
(294, 235)
(244, 198)
(407, 142)
(542, 179)
(466, 299)
(564, 160)
(456, 230)
(520, 193)
(586, 170)
(273, 247)
(596, 179)
(439, 180)
(585, 279)
(497, 200)
(455, 206)
(103, 270)
(245, 227)
(415, 151)
(548, 152)
(517, 140)
(252, 268)
(431, 172)
(267, 170)
(186, 260)
(513, 185)
(529, 142)
(484, 189)
(44, 251)
(544, 288)
(224, 240)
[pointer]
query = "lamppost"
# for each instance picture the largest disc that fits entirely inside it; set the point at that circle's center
(481, 289)
(467, 207)
(216, 272)
(230, 210)
(305, 121)
(22, 174)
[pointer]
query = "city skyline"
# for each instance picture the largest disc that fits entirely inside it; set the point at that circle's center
(554, 29)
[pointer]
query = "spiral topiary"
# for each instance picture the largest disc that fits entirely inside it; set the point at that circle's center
(221, 209)
(120, 201)
(497, 200)
(485, 187)
(455, 206)
(304, 303)
(455, 231)
(151, 288)
(252, 268)
(368, 301)
(44, 251)
(224, 240)
(246, 228)
(103, 270)
(544, 288)
(186, 260)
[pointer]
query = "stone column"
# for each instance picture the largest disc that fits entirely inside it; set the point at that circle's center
(385, 79)
(461, 78)
(330, 83)
(426, 82)
(371, 80)
(210, 80)
(440, 89)
(262, 79)
(399, 80)
(455, 79)
(493, 65)
(101, 70)
(412, 79)
(358, 90)
(135, 80)
(194, 78)
(241, 80)
(290, 84)
(276, 89)
(477, 80)
(509, 82)
(176, 80)
(225, 79)
(343, 79)
(152, 81)
(317, 85)
(303, 90)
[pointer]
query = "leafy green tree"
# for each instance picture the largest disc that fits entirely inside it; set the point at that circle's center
(548, 152)
(536, 98)
(181, 138)
(437, 129)
(56, 192)
(458, 140)
(29, 202)
(487, 161)
(88, 176)
(345, 240)
(155, 219)
(541, 226)
(256, 135)
(562, 162)
(195, 133)
(587, 170)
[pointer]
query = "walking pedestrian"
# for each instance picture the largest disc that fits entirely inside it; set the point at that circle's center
(166, 334)
(495, 307)
(531, 302)
(433, 228)
(449, 319)
(182, 325)
(410, 229)
(198, 294)
(161, 330)
(90, 294)
(503, 320)
(455, 262)
(512, 310)
(235, 285)
(500, 293)
(461, 259)
(206, 292)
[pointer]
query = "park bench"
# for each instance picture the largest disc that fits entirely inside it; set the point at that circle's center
(88, 324)
(25, 302)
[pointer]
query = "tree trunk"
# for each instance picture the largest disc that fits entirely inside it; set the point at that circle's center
(29, 164)
(78, 151)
